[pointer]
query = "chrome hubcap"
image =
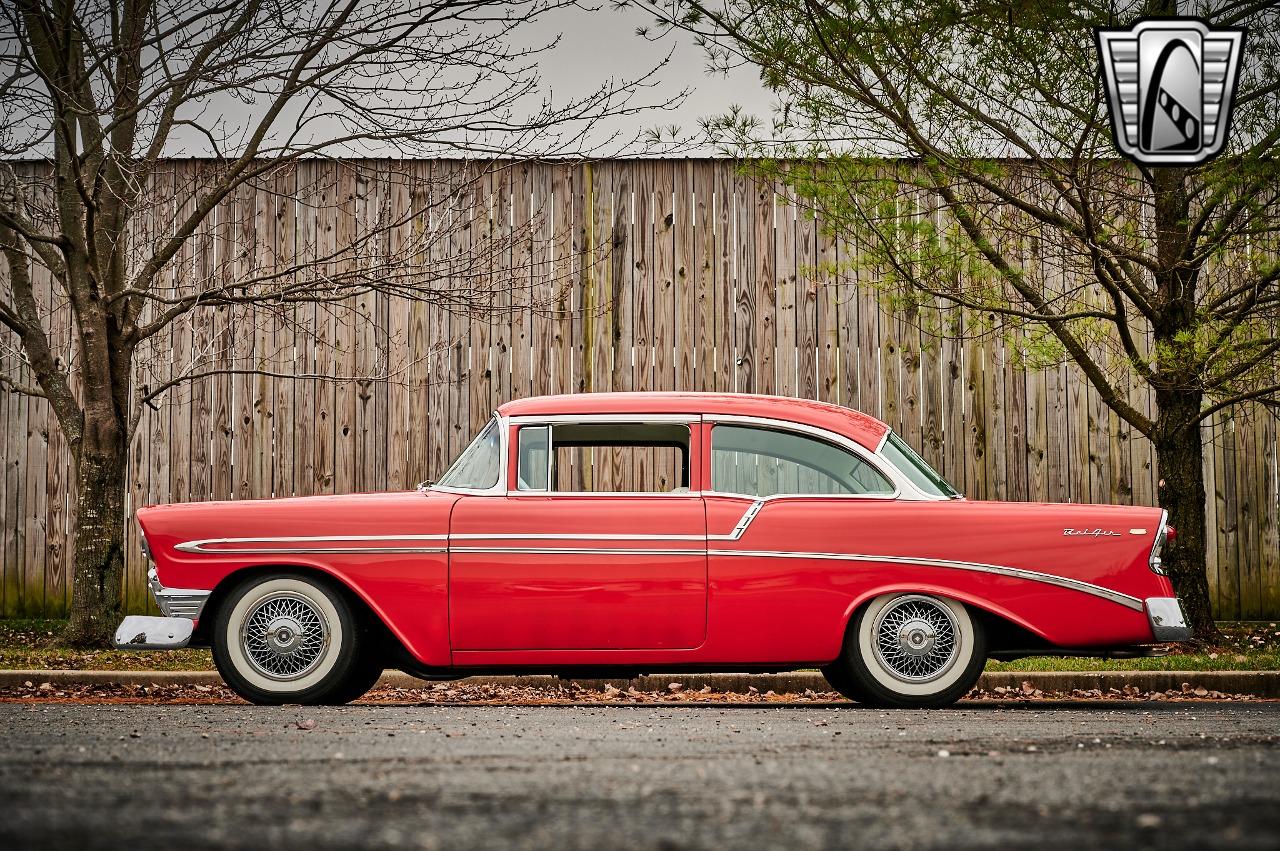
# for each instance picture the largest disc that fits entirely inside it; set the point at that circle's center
(284, 636)
(916, 639)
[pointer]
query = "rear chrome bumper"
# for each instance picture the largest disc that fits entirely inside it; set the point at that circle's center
(141, 632)
(177, 602)
(1167, 621)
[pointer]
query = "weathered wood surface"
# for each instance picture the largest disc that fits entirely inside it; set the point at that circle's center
(639, 275)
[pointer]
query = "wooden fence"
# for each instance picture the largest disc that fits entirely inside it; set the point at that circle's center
(638, 275)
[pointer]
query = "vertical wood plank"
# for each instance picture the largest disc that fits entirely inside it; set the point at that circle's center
(419, 355)
(1064, 469)
(665, 301)
(285, 340)
(327, 330)
(34, 502)
(764, 269)
(745, 285)
(703, 278)
(245, 402)
(565, 187)
(647, 205)
(345, 325)
(460, 245)
(400, 353)
(1268, 550)
(808, 275)
(785, 297)
(522, 263)
(544, 360)
(439, 342)
(1250, 513)
(828, 296)
(685, 341)
(724, 225)
(1228, 517)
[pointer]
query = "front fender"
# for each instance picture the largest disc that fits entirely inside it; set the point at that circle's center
(423, 633)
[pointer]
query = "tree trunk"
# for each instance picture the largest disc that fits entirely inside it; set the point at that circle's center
(98, 567)
(1179, 455)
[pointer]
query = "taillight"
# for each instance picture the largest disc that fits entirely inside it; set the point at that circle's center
(1164, 534)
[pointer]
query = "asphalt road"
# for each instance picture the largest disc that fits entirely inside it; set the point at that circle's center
(1044, 776)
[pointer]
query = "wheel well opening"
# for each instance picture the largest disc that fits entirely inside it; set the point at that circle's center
(388, 646)
(1001, 633)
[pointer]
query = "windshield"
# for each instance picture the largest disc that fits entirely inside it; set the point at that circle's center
(477, 467)
(915, 468)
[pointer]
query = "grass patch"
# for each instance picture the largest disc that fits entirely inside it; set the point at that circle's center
(1172, 662)
(1252, 646)
(27, 643)
(33, 643)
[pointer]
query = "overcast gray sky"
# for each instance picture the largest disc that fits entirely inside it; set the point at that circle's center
(594, 47)
(597, 44)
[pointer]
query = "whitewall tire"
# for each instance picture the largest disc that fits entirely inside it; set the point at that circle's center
(288, 638)
(910, 650)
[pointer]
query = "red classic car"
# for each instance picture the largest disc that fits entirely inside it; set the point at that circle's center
(625, 533)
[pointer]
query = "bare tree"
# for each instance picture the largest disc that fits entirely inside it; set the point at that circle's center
(1002, 186)
(95, 94)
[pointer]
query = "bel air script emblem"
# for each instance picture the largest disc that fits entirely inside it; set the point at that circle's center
(1091, 533)
(1169, 83)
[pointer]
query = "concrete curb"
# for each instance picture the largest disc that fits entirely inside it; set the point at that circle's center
(1257, 683)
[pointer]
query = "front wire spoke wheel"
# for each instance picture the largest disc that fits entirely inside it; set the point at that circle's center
(284, 635)
(291, 638)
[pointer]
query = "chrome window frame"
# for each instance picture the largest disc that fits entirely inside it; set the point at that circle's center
(903, 487)
(687, 420)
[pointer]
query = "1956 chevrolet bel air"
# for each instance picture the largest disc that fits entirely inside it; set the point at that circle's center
(624, 533)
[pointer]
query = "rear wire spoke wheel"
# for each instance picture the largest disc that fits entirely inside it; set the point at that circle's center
(289, 638)
(910, 650)
(916, 639)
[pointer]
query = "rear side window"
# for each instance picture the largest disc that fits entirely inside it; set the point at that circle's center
(767, 462)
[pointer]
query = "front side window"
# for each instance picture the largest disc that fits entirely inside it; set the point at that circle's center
(766, 462)
(478, 466)
(604, 458)
(915, 468)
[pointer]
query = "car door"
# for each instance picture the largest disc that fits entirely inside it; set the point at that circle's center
(550, 566)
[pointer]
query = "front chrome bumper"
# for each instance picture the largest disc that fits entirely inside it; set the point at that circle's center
(141, 632)
(177, 602)
(1167, 620)
(181, 608)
